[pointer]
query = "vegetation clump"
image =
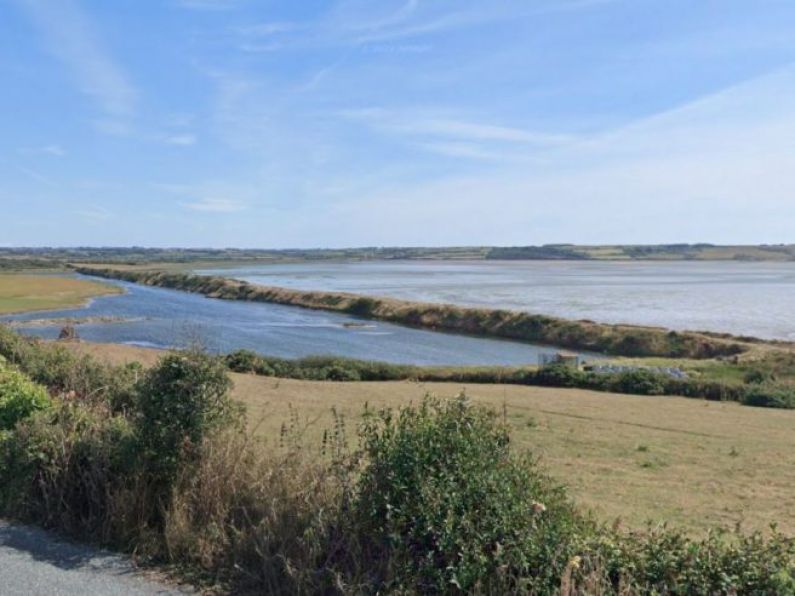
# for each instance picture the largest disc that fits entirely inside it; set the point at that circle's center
(179, 402)
(19, 397)
(770, 396)
(447, 504)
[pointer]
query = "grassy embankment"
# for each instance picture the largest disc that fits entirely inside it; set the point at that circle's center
(435, 498)
(622, 340)
(20, 293)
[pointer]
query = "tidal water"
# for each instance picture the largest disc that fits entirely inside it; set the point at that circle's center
(169, 318)
(737, 297)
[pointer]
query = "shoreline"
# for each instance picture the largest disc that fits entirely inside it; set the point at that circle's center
(554, 332)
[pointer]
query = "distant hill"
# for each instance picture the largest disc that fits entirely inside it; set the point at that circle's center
(46, 257)
(658, 252)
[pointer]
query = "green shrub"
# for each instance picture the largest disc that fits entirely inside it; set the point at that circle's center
(182, 399)
(770, 396)
(665, 561)
(242, 361)
(71, 467)
(558, 375)
(63, 371)
(755, 376)
(19, 397)
(638, 382)
(363, 306)
(341, 373)
(446, 505)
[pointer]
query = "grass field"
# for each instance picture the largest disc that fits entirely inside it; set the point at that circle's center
(19, 293)
(693, 463)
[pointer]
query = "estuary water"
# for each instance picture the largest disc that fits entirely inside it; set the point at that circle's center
(163, 318)
(746, 298)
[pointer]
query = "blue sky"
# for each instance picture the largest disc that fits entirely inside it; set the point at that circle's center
(254, 123)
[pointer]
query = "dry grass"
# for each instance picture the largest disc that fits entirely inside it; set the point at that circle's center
(693, 463)
(20, 293)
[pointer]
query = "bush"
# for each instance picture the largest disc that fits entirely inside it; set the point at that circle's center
(770, 396)
(637, 382)
(341, 373)
(73, 468)
(19, 397)
(63, 371)
(447, 505)
(180, 401)
(558, 375)
(664, 561)
(756, 376)
(242, 361)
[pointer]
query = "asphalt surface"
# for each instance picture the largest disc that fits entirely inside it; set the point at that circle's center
(36, 563)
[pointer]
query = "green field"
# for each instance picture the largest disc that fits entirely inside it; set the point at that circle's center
(20, 293)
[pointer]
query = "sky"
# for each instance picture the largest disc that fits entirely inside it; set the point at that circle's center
(257, 123)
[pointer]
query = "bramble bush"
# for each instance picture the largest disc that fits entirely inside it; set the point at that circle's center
(447, 505)
(63, 371)
(180, 401)
(637, 382)
(19, 397)
(108, 474)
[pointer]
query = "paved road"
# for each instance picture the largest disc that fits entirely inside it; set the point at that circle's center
(34, 563)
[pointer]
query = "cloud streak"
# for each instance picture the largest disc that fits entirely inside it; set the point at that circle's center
(716, 169)
(71, 37)
(210, 205)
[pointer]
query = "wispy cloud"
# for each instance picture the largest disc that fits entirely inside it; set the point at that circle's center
(455, 137)
(417, 123)
(466, 150)
(51, 149)
(55, 150)
(215, 205)
(715, 169)
(353, 23)
(207, 4)
(183, 140)
(34, 175)
(94, 214)
(70, 36)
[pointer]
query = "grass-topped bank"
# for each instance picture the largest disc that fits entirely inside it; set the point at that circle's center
(624, 340)
(20, 292)
(433, 498)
